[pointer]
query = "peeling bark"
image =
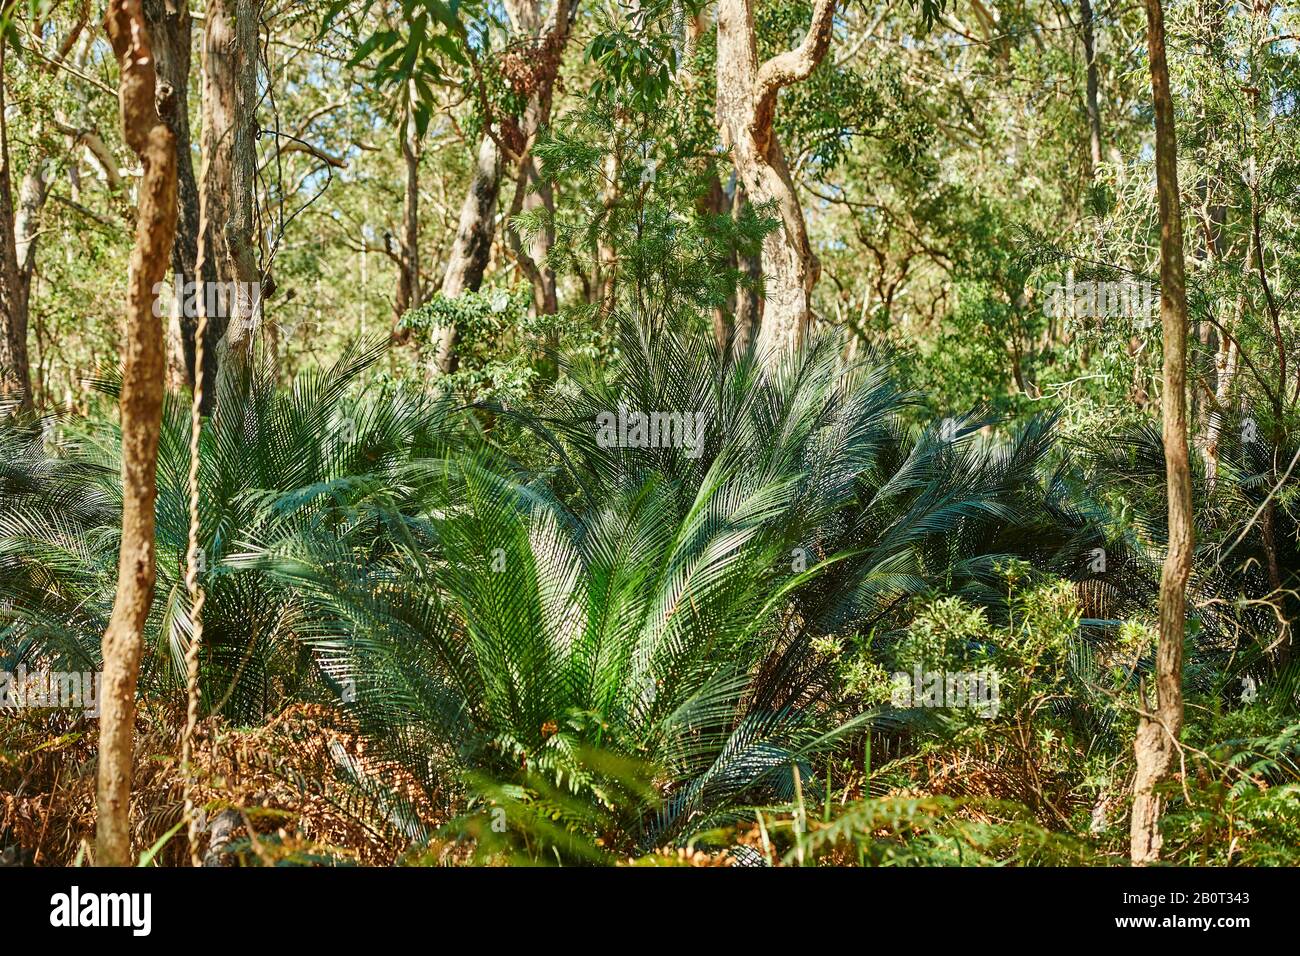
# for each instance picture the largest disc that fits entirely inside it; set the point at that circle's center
(169, 25)
(141, 410)
(226, 183)
(1225, 372)
(469, 252)
(532, 193)
(1226, 362)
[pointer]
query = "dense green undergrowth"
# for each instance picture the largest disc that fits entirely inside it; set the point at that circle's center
(581, 653)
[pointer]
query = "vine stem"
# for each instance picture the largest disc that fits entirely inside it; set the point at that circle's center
(197, 597)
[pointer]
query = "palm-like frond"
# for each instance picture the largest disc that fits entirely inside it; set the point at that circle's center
(660, 603)
(272, 461)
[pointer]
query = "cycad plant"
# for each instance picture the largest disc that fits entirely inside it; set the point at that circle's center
(272, 460)
(1242, 594)
(56, 516)
(580, 638)
(619, 641)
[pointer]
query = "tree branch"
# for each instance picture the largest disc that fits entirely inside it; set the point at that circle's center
(798, 64)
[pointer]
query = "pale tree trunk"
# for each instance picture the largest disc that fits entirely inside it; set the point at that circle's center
(532, 193)
(33, 192)
(15, 372)
(473, 243)
(469, 253)
(1215, 353)
(27, 224)
(536, 270)
(746, 108)
(169, 25)
(1225, 376)
(1090, 101)
(21, 229)
(408, 282)
(540, 195)
(1155, 745)
(749, 304)
(226, 183)
(606, 251)
(141, 410)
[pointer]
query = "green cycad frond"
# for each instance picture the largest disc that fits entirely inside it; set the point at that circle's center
(493, 620)
(662, 605)
(273, 461)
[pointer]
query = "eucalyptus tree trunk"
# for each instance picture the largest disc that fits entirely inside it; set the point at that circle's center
(606, 250)
(749, 303)
(169, 25)
(746, 109)
(1090, 97)
(226, 183)
(15, 371)
(409, 293)
(532, 192)
(1156, 742)
(1221, 342)
(539, 194)
(547, 38)
(1223, 379)
(1225, 375)
(473, 243)
(32, 194)
(20, 227)
(141, 411)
